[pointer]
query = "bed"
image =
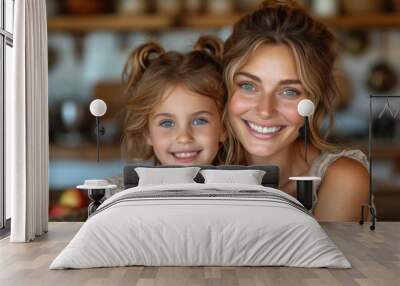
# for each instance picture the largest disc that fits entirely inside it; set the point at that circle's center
(201, 224)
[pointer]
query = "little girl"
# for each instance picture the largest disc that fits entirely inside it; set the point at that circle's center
(175, 104)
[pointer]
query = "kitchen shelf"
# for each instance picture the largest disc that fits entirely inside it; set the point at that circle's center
(210, 21)
(85, 152)
(75, 23)
(361, 21)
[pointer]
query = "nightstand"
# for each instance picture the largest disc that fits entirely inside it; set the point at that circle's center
(96, 190)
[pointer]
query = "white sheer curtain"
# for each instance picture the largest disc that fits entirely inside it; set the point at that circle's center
(27, 124)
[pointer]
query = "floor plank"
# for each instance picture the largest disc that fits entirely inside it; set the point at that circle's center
(374, 255)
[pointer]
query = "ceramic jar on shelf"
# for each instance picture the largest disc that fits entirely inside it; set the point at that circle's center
(193, 6)
(83, 7)
(132, 7)
(220, 7)
(325, 8)
(168, 7)
(362, 6)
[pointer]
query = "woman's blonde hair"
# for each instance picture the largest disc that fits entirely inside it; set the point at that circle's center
(314, 49)
(150, 71)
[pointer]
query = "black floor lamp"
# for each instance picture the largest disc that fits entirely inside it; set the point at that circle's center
(97, 188)
(98, 108)
(306, 109)
(305, 184)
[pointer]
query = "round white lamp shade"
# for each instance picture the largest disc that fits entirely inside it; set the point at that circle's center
(305, 107)
(98, 107)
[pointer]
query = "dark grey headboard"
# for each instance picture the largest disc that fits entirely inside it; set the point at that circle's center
(270, 179)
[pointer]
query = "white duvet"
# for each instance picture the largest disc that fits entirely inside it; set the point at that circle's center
(185, 230)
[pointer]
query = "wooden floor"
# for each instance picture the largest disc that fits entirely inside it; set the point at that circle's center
(374, 255)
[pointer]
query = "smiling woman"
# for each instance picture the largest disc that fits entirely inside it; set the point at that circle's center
(264, 102)
(275, 57)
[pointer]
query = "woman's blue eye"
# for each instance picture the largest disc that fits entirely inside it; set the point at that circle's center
(199, 121)
(290, 92)
(167, 123)
(247, 86)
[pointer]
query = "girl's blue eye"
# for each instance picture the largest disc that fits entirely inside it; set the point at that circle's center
(199, 121)
(167, 123)
(290, 92)
(247, 86)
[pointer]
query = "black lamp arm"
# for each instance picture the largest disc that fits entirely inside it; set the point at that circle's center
(100, 131)
(305, 138)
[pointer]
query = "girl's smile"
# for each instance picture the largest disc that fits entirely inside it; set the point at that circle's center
(186, 157)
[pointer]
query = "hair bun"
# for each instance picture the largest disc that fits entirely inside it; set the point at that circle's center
(138, 61)
(147, 52)
(211, 45)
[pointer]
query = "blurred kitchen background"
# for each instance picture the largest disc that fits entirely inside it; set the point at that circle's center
(89, 41)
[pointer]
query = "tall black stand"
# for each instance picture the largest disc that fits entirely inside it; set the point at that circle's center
(96, 195)
(370, 206)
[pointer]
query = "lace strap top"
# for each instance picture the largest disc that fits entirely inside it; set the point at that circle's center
(321, 164)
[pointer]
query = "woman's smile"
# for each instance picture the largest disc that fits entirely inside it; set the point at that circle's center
(262, 131)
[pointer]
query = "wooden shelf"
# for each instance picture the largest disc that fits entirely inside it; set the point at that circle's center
(86, 152)
(72, 23)
(108, 22)
(361, 21)
(210, 21)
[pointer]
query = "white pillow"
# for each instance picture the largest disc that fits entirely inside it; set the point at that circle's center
(248, 177)
(163, 176)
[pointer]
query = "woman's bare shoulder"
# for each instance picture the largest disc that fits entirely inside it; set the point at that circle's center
(343, 190)
(346, 168)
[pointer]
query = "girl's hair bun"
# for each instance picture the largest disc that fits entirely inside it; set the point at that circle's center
(147, 52)
(138, 61)
(211, 45)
